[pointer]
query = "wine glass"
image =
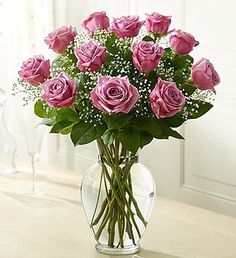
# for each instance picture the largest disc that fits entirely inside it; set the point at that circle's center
(33, 135)
(7, 142)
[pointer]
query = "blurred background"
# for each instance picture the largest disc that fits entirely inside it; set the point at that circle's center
(200, 170)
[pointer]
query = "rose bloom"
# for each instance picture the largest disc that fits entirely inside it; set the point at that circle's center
(59, 39)
(114, 95)
(182, 42)
(166, 99)
(126, 26)
(96, 21)
(146, 55)
(157, 23)
(91, 56)
(35, 70)
(60, 91)
(204, 75)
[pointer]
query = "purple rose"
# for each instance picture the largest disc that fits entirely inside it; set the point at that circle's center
(59, 39)
(166, 99)
(204, 75)
(146, 55)
(126, 26)
(182, 42)
(91, 56)
(60, 91)
(96, 21)
(35, 70)
(114, 95)
(157, 23)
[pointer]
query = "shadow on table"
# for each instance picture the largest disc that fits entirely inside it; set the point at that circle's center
(27, 176)
(45, 201)
(144, 253)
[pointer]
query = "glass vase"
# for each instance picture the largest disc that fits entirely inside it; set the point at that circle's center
(117, 195)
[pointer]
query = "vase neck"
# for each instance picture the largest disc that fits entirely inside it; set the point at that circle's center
(122, 159)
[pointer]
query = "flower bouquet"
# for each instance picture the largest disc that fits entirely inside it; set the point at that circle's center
(121, 84)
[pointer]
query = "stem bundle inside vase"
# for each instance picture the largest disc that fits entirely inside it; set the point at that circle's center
(119, 213)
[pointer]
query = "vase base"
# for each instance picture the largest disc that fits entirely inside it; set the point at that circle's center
(132, 249)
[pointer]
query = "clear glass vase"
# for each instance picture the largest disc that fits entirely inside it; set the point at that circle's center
(117, 195)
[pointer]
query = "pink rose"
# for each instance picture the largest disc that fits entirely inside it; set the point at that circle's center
(96, 21)
(114, 95)
(157, 23)
(60, 91)
(59, 39)
(146, 55)
(91, 56)
(204, 75)
(166, 99)
(182, 42)
(35, 70)
(126, 26)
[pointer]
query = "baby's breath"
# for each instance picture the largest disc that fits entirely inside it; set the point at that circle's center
(29, 93)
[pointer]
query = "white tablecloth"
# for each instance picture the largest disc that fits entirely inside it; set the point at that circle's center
(54, 225)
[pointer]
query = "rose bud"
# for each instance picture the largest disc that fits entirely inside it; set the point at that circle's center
(157, 23)
(91, 56)
(60, 91)
(146, 55)
(204, 75)
(96, 21)
(182, 42)
(59, 39)
(126, 26)
(114, 95)
(35, 70)
(166, 99)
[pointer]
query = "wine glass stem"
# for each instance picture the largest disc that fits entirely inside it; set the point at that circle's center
(33, 173)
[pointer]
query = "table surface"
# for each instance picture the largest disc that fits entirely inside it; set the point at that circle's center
(54, 225)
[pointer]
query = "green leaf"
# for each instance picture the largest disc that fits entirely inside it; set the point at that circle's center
(79, 107)
(153, 77)
(108, 60)
(82, 79)
(179, 79)
(189, 88)
(110, 44)
(41, 109)
(129, 136)
(169, 132)
(145, 138)
(168, 54)
(174, 121)
(128, 55)
(63, 63)
(67, 129)
(109, 136)
(63, 127)
(175, 134)
(203, 108)
(162, 136)
(148, 38)
(181, 62)
(117, 121)
(67, 114)
(83, 133)
(149, 125)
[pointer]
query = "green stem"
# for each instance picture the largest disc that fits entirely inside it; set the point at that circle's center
(98, 197)
(117, 207)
